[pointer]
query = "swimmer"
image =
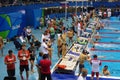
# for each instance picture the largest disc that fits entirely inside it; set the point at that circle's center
(88, 56)
(97, 36)
(105, 71)
(70, 35)
(93, 48)
(83, 57)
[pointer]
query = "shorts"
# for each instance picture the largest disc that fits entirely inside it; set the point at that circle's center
(11, 73)
(48, 76)
(29, 37)
(70, 38)
(52, 36)
(32, 57)
(22, 67)
(81, 66)
(93, 73)
(59, 49)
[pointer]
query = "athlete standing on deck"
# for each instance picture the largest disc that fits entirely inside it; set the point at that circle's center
(10, 60)
(24, 56)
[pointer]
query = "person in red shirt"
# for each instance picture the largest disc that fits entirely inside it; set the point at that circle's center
(105, 14)
(24, 56)
(10, 60)
(45, 64)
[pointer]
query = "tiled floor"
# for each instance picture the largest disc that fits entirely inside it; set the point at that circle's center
(10, 45)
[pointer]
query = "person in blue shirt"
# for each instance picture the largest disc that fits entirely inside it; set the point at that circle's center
(38, 64)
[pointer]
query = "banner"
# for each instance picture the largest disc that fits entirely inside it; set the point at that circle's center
(5, 25)
(10, 24)
(38, 14)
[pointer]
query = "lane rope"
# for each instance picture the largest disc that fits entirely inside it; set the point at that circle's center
(107, 42)
(110, 60)
(109, 32)
(105, 50)
(109, 37)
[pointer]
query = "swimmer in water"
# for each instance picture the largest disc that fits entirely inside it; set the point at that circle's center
(97, 37)
(105, 71)
(93, 48)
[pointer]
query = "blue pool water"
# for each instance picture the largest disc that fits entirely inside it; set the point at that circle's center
(111, 51)
(114, 40)
(107, 46)
(111, 35)
(107, 55)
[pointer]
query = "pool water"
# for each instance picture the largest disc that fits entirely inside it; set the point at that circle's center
(108, 48)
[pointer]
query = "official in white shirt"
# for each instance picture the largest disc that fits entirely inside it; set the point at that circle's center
(44, 47)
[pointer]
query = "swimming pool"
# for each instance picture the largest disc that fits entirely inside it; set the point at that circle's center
(109, 48)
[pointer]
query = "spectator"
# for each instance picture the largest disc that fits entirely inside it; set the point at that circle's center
(95, 67)
(10, 60)
(83, 74)
(45, 68)
(24, 56)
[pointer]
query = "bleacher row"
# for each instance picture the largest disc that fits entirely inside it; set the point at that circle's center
(41, 5)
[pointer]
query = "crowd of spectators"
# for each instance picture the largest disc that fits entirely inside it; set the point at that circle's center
(24, 2)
